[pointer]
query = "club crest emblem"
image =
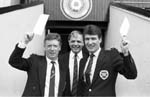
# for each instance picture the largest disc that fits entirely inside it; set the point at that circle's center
(76, 9)
(104, 74)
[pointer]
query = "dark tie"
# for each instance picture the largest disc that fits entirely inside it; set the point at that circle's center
(88, 70)
(75, 77)
(52, 81)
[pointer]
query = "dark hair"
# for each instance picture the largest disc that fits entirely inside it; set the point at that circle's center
(92, 30)
(73, 32)
(53, 36)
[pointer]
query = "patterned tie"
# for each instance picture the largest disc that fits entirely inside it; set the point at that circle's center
(88, 70)
(75, 77)
(52, 81)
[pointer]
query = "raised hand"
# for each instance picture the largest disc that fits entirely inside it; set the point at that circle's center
(28, 37)
(125, 47)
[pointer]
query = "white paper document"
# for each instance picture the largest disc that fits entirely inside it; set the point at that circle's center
(124, 27)
(40, 25)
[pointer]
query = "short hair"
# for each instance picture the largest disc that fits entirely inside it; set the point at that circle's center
(72, 34)
(53, 36)
(92, 30)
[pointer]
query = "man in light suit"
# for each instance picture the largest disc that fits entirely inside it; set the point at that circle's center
(39, 68)
(99, 70)
(75, 40)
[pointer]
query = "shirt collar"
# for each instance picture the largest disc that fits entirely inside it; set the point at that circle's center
(97, 52)
(79, 55)
(49, 60)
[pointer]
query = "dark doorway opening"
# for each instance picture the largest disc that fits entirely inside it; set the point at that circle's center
(65, 27)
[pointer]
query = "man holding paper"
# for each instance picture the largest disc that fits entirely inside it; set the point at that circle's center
(46, 74)
(99, 71)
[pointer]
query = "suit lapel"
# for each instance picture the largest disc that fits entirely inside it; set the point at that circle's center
(82, 66)
(68, 72)
(61, 82)
(62, 72)
(42, 73)
(99, 64)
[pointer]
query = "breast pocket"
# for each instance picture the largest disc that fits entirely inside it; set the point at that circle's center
(35, 89)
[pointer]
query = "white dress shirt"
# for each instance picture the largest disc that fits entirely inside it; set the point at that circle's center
(71, 65)
(96, 54)
(57, 77)
(22, 45)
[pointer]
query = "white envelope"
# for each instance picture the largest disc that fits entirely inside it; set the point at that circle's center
(40, 25)
(124, 29)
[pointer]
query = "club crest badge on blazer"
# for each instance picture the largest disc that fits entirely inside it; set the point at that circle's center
(104, 74)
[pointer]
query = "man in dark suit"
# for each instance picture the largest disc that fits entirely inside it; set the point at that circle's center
(99, 70)
(46, 74)
(75, 40)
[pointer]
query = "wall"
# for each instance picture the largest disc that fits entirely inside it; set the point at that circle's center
(136, 3)
(98, 13)
(139, 38)
(13, 25)
(4, 3)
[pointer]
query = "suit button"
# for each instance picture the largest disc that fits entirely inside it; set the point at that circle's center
(33, 87)
(90, 90)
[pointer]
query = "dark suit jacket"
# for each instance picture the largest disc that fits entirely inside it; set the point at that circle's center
(67, 91)
(35, 66)
(109, 63)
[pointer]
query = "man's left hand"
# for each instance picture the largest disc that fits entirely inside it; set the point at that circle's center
(125, 47)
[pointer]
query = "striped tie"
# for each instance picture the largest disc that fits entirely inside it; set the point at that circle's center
(75, 77)
(88, 70)
(52, 81)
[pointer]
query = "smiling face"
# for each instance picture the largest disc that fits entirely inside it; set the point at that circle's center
(76, 42)
(92, 42)
(92, 38)
(52, 48)
(52, 45)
